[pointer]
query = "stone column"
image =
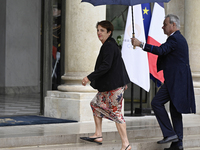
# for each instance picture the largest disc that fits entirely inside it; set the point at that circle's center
(82, 44)
(176, 7)
(192, 34)
(81, 49)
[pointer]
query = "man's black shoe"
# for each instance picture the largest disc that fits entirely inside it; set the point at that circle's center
(173, 138)
(174, 148)
(170, 148)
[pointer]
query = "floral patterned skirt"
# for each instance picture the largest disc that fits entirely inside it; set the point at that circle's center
(108, 105)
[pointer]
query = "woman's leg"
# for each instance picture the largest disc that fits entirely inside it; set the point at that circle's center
(98, 129)
(121, 127)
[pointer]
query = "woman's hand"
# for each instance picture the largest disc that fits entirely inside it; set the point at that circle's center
(85, 81)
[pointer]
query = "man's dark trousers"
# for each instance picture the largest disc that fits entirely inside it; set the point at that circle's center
(162, 116)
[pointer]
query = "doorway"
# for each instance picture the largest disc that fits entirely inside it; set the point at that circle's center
(20, 54)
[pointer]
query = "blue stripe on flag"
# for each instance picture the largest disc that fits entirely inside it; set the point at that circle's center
(146, 12)
(159, 83)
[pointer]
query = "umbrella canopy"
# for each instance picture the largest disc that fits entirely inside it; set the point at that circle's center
(121, 2)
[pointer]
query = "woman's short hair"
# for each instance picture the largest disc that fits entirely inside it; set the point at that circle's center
(174, 19)
(106, 24)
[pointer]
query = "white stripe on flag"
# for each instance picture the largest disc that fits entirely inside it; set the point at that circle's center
(156, 37)
(155, 29)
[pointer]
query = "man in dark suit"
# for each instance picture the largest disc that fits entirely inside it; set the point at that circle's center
(173, 59)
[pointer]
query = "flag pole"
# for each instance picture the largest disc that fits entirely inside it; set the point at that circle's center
(132, 95)
(133, 35)
(132, 98)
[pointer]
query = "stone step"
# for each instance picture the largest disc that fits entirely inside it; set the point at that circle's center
(191, 143)
(141, 131)
(139, 138)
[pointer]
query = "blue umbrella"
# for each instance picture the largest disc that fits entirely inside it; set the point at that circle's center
(122, 2)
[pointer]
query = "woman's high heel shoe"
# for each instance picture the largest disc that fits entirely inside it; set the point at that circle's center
(91, 139)
(127, 147)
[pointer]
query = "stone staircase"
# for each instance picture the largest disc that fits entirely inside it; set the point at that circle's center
(143, 132)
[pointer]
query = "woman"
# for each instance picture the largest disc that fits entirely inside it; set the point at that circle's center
(110, 79)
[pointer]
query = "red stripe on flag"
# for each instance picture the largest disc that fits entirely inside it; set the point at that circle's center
(153, 61)
(151, 41)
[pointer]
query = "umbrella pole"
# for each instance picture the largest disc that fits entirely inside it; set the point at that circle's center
(133, 35)
(133, 22)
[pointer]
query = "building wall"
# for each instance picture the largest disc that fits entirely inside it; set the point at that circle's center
(2, 43)
(20, 45)
(176, 7)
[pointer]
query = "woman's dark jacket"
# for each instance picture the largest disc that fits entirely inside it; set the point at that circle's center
(109, 72)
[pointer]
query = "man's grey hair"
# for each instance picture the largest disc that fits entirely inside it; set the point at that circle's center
(174, 19)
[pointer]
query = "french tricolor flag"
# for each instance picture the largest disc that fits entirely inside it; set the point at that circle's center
(156, 37)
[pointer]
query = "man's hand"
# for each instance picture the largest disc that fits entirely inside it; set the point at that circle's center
(135, 42)
(85, 81)
(126, 87)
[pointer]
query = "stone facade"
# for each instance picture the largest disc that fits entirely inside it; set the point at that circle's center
(82, 44)
(20, 46)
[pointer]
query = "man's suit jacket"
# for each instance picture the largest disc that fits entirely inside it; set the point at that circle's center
(110, 72)
(173, 59)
